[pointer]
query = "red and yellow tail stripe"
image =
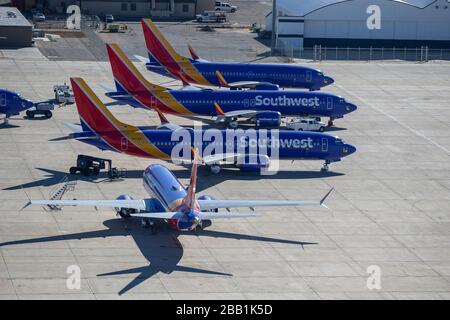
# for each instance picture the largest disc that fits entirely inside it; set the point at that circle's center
(145, 92)
(94, 113)
(167, 56)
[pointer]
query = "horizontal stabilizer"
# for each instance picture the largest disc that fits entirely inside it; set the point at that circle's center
(142, 59)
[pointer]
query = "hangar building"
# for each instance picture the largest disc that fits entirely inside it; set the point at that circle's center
(15, 30)
(362, 23)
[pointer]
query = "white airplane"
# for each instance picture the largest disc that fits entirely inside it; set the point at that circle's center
(176, 205)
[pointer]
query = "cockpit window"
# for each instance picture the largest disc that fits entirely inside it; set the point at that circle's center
(339, 141)
(320, 74)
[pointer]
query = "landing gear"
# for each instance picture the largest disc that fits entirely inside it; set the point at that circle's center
(233, 124)
(6, 120)
(148, 223)
(215, 168)
(325, 166)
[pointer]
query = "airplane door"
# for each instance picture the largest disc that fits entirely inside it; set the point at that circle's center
(324, 144)
(124, 144)
(2, 100)
(308, 76)
(329, 103)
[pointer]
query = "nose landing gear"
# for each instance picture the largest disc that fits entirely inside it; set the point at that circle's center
(325, 167)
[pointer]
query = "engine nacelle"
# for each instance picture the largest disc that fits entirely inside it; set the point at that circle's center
(206, 197)
(125, 212)
(253, 163)
(268, 119)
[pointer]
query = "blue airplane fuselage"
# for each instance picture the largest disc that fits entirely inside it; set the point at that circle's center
(286, 76)
(286, 102)
(12, 103)
(283, 144)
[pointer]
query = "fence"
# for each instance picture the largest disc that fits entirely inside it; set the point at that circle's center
(319, 53)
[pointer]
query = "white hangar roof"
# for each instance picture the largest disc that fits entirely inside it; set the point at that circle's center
(303, 7)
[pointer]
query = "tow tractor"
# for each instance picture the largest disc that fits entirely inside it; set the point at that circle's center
(91, 166)
(63, 96)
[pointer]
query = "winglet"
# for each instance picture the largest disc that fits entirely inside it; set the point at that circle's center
(325, 197)
(219, 110)
(183, 79)
(194, 54)
(162, 117)
(222, 80)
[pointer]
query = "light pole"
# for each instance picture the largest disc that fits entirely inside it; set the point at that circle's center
(274, 20)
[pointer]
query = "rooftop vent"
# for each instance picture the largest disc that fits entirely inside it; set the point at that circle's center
(11, 14)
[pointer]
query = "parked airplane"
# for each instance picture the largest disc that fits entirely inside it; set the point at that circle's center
(101, 129)
(170, 201)
(263, 107)
(12, 104)
(164, 59)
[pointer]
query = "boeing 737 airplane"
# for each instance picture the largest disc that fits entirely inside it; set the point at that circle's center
(164, 59)
(173, 203)
(263, 107)
(101, 129)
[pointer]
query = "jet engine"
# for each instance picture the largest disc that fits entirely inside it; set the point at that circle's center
(125, 212)
(268, 119)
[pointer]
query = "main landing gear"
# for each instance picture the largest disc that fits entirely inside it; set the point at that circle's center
(325, 166)
(148, 223)
(6, 120)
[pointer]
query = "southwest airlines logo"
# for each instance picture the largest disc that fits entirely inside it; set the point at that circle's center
(277, 143)
(285, 101)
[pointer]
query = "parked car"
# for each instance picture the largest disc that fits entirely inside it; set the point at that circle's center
(223, 6)
(211, 16)
(38, 17)
(306, 124)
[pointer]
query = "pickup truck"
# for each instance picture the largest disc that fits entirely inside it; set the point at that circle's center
(306, 124)
(211, 16)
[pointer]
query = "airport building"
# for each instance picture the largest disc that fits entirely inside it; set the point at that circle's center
(15, 30)
(123, 9)
(362, 23)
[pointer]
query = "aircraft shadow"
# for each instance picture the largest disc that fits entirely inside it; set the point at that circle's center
(54, 177)
(8, 126)
(163, 251)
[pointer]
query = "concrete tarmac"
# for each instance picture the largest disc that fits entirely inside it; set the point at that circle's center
(390, 208)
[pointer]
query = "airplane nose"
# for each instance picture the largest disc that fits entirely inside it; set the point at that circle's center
(348, 149)
(350, 107)
(328, 80)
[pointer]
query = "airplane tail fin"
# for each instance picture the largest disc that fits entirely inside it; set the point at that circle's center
(189, 200)
(94, 116)
(157, 45)
(126, 76)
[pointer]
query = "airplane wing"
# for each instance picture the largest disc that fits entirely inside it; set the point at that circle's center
(141, 58)
(202, 215)
(129, 204)
(247, 84)
(219, 157)
(73, 127)
(216, 204)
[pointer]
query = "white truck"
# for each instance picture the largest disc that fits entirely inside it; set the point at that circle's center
(306, 124)
(223, 6)
(211, 16)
